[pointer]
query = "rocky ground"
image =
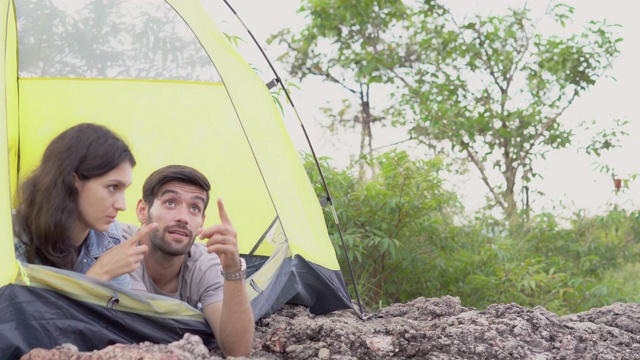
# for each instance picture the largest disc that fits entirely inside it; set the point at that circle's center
(437, 328)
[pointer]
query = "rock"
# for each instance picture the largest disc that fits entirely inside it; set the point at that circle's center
(425, 328)
(324, 353)
(189, 348)
(619, 315)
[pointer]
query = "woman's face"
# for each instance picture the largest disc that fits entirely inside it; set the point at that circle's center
(100, 198)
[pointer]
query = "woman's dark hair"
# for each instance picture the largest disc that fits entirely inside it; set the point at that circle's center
(47, 199)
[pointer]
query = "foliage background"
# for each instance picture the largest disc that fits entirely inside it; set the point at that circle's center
(404, 241)
(426, 243)
(407, 236)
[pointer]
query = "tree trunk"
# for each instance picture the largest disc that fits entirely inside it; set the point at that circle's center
(366, 136)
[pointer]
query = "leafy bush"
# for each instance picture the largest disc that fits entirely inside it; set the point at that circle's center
(403, 238)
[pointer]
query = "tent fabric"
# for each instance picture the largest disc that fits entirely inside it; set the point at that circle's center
(8, 138)
(295, 280)
(45, 307)
(28, 321)
(225, 124)
(300, 282)
(59, 306)
(83, 288)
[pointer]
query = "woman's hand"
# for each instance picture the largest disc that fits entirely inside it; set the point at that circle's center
(123, 258)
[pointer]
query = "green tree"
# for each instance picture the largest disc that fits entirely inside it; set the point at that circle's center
(490, 91)
(495, 88)
(341, 45)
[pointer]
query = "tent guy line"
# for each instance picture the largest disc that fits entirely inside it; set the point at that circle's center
(278, 81)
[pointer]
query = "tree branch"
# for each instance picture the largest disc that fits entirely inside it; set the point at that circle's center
(483, 174)
(319, 71)
(545, 126)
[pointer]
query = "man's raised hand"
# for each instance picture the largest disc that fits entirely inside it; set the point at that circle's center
(223, 240)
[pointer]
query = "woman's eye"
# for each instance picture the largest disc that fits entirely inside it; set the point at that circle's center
(112, 188)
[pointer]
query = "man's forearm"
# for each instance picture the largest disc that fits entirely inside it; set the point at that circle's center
(237, 325)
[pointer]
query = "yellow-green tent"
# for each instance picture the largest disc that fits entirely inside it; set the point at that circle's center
(164, 77)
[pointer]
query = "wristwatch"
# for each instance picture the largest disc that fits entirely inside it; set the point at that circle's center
(237, 275)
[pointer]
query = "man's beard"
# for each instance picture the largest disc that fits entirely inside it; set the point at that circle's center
(159, 242)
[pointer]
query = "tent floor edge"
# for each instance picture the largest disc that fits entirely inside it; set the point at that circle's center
(32, 317)
(300, 282)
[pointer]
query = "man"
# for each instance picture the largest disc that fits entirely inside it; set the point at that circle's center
(212, 276)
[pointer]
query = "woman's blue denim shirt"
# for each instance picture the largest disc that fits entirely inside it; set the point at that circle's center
(96, 244)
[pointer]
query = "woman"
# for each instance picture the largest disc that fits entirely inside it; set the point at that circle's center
(67, 210)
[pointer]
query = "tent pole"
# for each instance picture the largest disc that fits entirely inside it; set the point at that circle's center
(278, 80)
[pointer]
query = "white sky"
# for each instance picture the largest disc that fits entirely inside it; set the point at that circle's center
(569, 178)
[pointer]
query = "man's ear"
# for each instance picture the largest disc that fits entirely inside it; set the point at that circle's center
(142, 211)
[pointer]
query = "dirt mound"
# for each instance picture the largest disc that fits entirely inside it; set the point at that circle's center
(423, 328)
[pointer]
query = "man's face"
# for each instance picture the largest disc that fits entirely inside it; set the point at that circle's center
(179, 211)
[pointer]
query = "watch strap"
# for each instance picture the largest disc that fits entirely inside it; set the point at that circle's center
(236, 275)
